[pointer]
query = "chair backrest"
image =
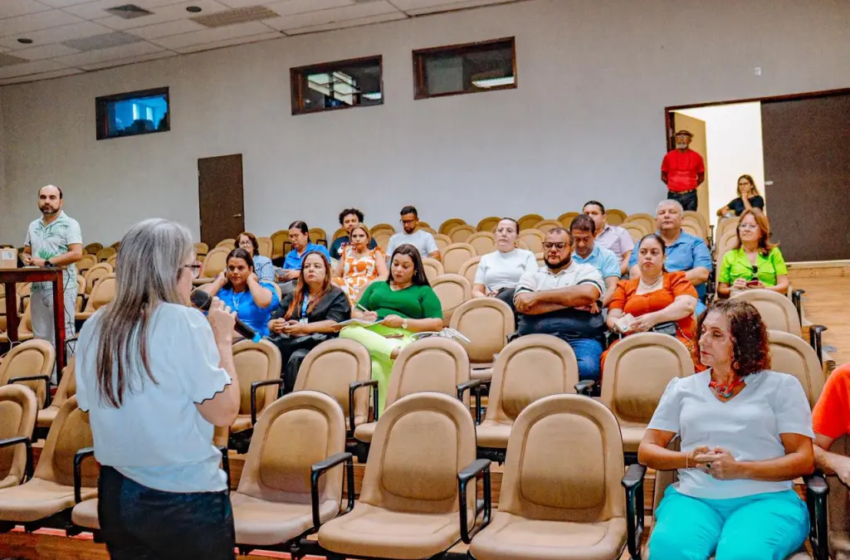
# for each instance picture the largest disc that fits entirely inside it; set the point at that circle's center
(103, 293)
(692, 227)
(453, 290)
(201, 249)
(67, 386)
(69, 433)
(420, 445)
(433, 269)
(113, 260)
(33, 357)
(331, 367)
(265, 246)
(86, 262)
(546, 225)
(469, 268)
(450, 224)
(528, 369)
(776, 310)
(81, 284)
(382, 227)
(725, 225)
(215, 262)
(434, 364)
(635, 230)
(545, 478)
(638, 369)
(615, 217)
(96, 274)
(92, 248)
(533, 239)
(459, 234)
(791, 354)
(455, 255)
(567, 218)
(294, 433)
(529, 221)
(279, 239)
(339, 233)
(105, 253)
(487, 323)
(256, 361)
(489, 224)
(703, 223)
(230, 244)
(725, 243)
(427, 227)
(382, 238)
(18, 407)
(317, 234)
(442, 241)
(483, 242)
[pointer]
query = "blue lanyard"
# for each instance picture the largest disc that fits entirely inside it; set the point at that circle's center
(304, 303)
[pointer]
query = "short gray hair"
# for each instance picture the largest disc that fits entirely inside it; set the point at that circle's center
(670, 202)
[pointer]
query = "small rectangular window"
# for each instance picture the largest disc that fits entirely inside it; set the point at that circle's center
(472, 68)
(133, 113)
(337, 85)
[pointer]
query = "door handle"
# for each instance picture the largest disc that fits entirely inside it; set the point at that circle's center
(237, 215)
(768, 183)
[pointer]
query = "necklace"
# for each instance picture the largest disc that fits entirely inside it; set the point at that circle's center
(649, 287)
(725, 390)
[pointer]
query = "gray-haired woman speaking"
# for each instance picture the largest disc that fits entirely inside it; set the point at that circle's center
(156, 376)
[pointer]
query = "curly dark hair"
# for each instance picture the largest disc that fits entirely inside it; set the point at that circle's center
(750, 343)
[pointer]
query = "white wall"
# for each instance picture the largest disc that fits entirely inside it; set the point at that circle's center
(734, 139)
(586, 121)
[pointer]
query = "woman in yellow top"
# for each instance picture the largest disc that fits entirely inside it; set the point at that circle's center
(755, 262)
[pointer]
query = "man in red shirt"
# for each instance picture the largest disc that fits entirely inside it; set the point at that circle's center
(831, 420)
(683, 170)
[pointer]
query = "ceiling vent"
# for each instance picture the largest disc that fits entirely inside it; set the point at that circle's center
(104, 41)
(237, 15)
(129, 11)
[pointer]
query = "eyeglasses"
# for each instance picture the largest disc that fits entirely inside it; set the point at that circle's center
(195, 268)
(559, 246)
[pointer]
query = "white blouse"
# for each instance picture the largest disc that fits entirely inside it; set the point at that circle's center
(158, 438)
(499, 270)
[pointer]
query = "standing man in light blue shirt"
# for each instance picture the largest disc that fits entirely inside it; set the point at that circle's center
(587, 251)
(684, 251)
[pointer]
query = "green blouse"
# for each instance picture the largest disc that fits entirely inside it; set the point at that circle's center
(736, 265)
(413, 302)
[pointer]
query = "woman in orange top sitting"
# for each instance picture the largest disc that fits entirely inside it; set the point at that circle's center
(659, 301)
(359, 265)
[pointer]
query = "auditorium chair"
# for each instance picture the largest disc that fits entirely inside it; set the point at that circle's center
(487, 323)
(18, 406)
(416, 501)
(692, 227)
(318, 236)
(86, 263)
(265, 246)
(546, 225)
(635, 230)
(342, 369)
(432, 364)
(528, 369)
(113, 261)
(442, 241)
(615, 217)
(214, 263)
(95, 274)
(67, 389)
(691, 215)
(533, 239)
(279, 240)
(455, 255)
(483, 242)
(453, 290)
(30, 363)
(103, 293)
(105, 253)
(433, 269)
(92, 248)
(228, 244)
(566, 219)
(489, 224)
(469, 269)
(46, 500)
(791, 354)
(724, 225)
(557, 502)
(382, 227)
(258, 367)
(450, 224)
(299, 437)
(201, 249)
(382, 239)
(24, 326)
(459, 234)
(636, 373)
(427, 227)
(529, 221)
(24, 291)
(643, 220)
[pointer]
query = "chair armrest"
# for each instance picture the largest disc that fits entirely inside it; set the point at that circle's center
(28, 444)
(352, 388)
(633, 483)
(468, 386)
(476, 468)
(45, 378)
(816, 340)
(79, 457)
(585, 386)
(797, 300)
(817, 490)
(256, 385)
(321, 468)
(225, 463)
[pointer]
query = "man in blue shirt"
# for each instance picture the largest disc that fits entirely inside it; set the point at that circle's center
(585, 250)
(684, 251)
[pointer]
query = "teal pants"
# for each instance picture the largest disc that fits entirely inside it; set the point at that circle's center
(768, 526)
(380, 348)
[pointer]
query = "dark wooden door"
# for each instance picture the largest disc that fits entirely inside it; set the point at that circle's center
(807, 176)
(220, 196)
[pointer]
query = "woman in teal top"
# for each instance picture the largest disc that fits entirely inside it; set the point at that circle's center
(403, 305)
(756, 262)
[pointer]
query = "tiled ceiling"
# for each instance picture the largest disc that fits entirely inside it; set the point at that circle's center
(43, 39)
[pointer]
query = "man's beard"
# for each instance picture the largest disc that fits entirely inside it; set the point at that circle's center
(558, 265)
(681, 145)
(48, 210)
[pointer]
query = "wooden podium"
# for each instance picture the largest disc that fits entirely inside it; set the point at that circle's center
(10, 277)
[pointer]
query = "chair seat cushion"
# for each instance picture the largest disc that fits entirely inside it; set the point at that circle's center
(9, 481)
(242, 423)
(493, 434)
(632, 436)
(262, 523)
(84, 515)
(46, 416)
(379, 533)
(38, 499)
(364, 432)
(510, 537)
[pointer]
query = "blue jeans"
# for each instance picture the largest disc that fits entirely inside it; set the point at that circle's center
(588, 354)
(762, 526)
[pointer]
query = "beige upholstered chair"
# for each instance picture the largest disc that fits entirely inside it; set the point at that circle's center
(489, 224)
(533, 239)
(214, 263)
(459, 234)
(433, 269)
(450, 224)
(791, 354)
(455, 255)
(453, 290)
(103, 293)
(487, 323)
(776, 310)
(67, 389)
(31, 362)
(642, 220)
(18, 406)
(483, 242)
(258, 367)
(279, 240)
(529, 221)
(469, 268)
(442, 241)
(615, 217)
(546, 225)
(95, 274)
(567, 218)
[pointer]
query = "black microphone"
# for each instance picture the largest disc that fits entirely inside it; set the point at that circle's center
(202, 300)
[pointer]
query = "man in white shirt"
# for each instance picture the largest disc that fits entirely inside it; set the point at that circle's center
(556, 299)
(411, 235)
(614, 238)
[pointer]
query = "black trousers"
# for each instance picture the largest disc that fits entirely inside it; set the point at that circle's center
(140, 523)
(687, 199)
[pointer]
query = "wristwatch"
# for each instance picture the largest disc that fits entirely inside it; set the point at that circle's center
(48, 264)
(404, 324)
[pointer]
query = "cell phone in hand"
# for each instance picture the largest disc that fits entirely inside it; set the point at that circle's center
(624, 323)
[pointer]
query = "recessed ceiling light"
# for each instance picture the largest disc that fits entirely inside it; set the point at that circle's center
(193, 9)
(25, 41)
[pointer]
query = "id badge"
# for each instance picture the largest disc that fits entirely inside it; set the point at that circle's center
(303, 321)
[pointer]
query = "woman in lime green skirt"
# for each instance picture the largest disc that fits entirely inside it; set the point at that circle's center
(403, 305)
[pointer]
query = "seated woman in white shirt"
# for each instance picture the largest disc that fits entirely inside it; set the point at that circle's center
(499, 271)
(746, 434)
(156, 376)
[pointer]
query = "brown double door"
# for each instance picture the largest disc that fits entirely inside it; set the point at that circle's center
(220, 194)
